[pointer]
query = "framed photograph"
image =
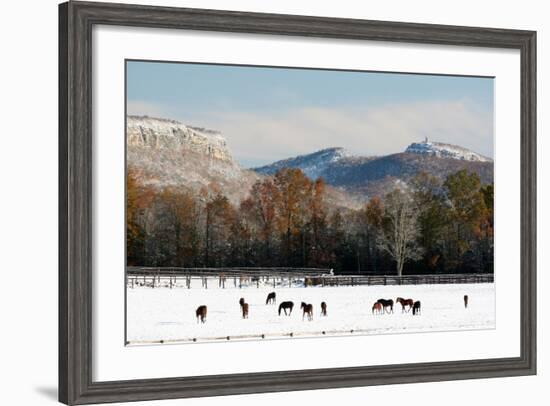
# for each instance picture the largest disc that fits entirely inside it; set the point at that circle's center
(259, 202)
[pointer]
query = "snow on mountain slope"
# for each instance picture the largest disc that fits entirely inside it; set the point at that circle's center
(169, 153)
(442, 150)
(313, 165)
(144, 131)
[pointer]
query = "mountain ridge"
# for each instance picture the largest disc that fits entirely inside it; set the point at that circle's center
(169, 153)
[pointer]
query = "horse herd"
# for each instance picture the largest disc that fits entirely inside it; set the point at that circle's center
(381, 306)
(307, 308)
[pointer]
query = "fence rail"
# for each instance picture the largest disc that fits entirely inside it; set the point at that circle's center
(233, 271)
(350, 280)
(284, 277)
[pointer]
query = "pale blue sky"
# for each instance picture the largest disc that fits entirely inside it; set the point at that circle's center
(268, 114)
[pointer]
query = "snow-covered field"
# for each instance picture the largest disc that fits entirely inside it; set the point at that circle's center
(156, 315)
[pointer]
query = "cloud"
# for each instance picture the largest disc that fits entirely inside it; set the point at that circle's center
(260, 137)
(143, 108)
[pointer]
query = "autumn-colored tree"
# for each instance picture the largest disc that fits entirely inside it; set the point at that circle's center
(180, 213)
(465, 208)
(317, 225)
(138, 198)
(262, 205)
(428, 196)
(369, 222)
(220, 215)
(289, 220)
(485, 232)
(294, 189)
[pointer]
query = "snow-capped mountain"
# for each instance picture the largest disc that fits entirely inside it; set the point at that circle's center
(442, 150)
(377, 175)
(158, 133)
(169, 153)
(313, 165)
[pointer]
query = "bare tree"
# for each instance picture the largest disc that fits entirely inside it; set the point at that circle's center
(400, 228)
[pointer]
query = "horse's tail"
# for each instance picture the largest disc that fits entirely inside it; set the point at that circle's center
(280, 307)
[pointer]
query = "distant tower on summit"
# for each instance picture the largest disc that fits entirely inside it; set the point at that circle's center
(426, 140)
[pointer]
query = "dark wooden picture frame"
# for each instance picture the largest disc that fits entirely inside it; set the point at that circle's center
(76, 20)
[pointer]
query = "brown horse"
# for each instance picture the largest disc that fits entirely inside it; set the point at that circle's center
(286, 305)
(270, 298)
(323, 308)
(377, 307)
(241, 302)
(465, 301)
(244, 308)
(404, 303)
(308, 309)
(416, 307)
(201, 314)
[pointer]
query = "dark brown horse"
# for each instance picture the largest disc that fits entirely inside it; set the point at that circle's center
(201, 314)
(416, 307)
(386, 304)
(308, 309)
(270, 298)
(244, 308)
(404, 303)
(465, 301)
(286, 305)
(377, 307)
(323, 308)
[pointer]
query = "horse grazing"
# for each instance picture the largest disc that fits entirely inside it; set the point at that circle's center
(244, 308)
(465, 301)
(377, 307)
(404, 303)
(270, 298)
(323, 308)
(286, 305)
(201, 314)
(308, 309)
(385, 304)
(416, 307)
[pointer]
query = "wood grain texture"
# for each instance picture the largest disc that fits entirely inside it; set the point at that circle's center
(76, 20)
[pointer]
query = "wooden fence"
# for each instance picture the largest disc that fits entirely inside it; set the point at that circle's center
(354, 280)
(282, 277)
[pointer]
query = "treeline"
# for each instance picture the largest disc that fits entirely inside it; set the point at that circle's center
(425, 226)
